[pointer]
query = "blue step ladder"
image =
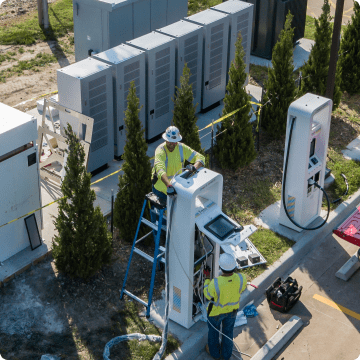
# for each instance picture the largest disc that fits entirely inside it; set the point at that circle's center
(158, 207)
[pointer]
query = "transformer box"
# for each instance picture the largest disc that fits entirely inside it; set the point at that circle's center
(215, 44)
(19, 179)
(189, 43)
(86, 87)
(128, 64)
(160, 80)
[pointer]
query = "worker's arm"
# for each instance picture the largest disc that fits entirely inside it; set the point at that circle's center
(193, 157)
(159, 164)
(244, 283)
(209, 289)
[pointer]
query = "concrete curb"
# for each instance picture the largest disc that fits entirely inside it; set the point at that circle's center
(349, 268)
(279, 339)
(305, 242)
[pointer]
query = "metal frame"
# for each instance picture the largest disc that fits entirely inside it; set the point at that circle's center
(59, 153)
(37, 228)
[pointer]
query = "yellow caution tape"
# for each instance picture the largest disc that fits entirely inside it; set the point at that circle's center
(117, 171)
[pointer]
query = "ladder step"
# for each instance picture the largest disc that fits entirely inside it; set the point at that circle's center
(162, 248)
(144, 237)
(150, 224)
(146, 256)
(135, 298)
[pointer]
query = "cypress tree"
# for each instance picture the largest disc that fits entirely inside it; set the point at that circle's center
(135, 182)
(280, 85)
(234, 148)
(315, 71)
(349, 60)
(83, 244)
(184, 112)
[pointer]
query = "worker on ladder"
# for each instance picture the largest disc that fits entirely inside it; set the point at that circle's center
(224, 295)
(169, 159)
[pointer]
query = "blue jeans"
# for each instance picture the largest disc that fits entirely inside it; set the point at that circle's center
(228, 322)
(161, 195)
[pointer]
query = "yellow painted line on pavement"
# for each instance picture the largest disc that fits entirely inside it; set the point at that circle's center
(332, 4)
(337, 306)
(348, 10)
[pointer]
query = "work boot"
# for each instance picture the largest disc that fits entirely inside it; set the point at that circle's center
(208, 351)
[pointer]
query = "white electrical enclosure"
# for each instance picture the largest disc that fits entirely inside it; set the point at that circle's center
(128, 64)
(241, 19)
(215, 33)
(19, 179)
(86, 87)
(307, 159)
(160, 80)
(189, 50)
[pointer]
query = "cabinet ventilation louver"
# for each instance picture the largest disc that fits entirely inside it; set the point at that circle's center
(162, 82)
(98, 111)
(191, 58)
(131, 73)
(242, 26)
(216, 51)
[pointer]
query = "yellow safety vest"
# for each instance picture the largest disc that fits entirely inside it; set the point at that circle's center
(170, 163)
(225, 292)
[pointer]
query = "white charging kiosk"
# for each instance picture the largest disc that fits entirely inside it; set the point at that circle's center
(309, 117)
(197, 219)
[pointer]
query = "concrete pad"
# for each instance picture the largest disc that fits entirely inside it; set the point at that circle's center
(279, 340)
(269, 219)
(349, 268)
(352, 151)
(301, 55)
(20, 262)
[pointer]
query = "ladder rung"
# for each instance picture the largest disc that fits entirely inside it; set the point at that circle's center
(146, 256)
(162, 249)
(150, 224)
(145, 236)
(135, 298)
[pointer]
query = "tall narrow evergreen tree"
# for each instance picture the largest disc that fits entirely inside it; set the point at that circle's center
(315, 71)
(280, 85)
(135, 183)
(349, 60)
(235, 146)
(83, 244)
(184, 113)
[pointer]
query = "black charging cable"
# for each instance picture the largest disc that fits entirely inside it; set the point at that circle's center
(314, 183)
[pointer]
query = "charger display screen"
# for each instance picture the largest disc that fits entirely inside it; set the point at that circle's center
(312, 147)
(221, 227)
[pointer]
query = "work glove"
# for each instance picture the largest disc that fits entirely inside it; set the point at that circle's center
(206, 272)
(191, 168)
(170, 190)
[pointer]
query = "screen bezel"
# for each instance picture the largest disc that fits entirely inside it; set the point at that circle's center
(214, 233)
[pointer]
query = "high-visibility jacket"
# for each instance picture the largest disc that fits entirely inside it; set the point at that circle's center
(224, 292)
(170, 163)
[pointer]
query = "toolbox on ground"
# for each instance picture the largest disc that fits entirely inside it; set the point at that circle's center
(283, 295)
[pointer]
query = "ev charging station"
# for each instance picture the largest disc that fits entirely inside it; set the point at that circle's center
(198, 231)
(307, 137)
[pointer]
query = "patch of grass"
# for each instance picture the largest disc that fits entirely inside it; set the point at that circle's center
(130, 322)
(339, 165)
(28, 32)
(7, 56)
(31, 51)
(259, 73)
(271, 246)
(71, 40)
(253, 198)
(21, 50)
(310, 28)
(35, 64)
(195, 6)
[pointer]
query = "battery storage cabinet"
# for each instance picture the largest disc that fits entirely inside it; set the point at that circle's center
(128, 64)
(307, 159)
(86, 87)
(100, 25)
(19, 179)
(160, 80)
(215, 39)
(189, 44)
(241, 19)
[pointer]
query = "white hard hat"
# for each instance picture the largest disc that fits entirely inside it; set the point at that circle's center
(227, 262)
(172, 134)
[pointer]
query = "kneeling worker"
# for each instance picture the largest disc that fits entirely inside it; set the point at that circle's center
(224, 294)
(169, 159)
